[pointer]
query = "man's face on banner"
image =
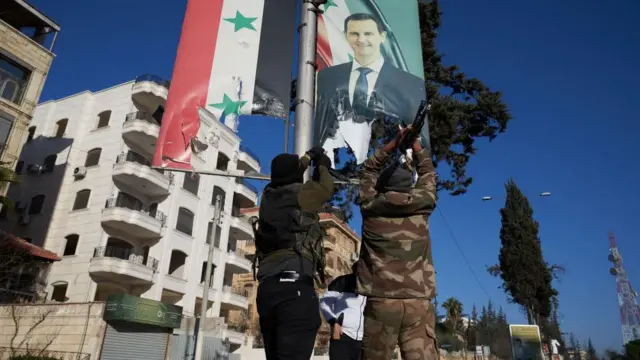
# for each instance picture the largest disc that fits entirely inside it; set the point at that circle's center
(365, 39)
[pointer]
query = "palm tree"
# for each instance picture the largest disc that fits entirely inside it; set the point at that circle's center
(454, 309)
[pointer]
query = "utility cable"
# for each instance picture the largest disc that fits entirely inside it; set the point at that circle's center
(464, 257)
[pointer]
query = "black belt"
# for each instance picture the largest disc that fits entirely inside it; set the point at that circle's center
(289, 277)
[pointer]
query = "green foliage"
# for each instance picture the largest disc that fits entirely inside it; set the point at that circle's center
(490, 329)
(7, 177)
(526, 276)
(632, 350)
(591, 351)
(462, 110)
(454, 310)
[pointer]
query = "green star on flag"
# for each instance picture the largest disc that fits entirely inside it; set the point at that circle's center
(329, 4)
(228, 106)
(242, 22)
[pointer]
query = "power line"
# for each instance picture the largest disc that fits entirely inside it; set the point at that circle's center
(464, 257)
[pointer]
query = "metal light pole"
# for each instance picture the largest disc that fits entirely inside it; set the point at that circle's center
(305, 84)
(207, 278)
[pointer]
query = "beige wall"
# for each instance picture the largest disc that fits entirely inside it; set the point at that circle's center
(64, 325)
(36, 58)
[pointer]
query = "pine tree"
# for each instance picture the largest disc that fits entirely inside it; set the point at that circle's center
(591, 351)
(462, 110)
(525, 274)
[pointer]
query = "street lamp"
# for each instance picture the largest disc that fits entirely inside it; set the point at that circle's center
(488, 198)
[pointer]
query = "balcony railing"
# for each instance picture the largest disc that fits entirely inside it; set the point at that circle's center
(8, 353)
(125, 254)
(136, 206)
(11, 87)
(133, 157)
(137, 115)
(251, 153)
(235, 291)
(154, 78)
(239, 252)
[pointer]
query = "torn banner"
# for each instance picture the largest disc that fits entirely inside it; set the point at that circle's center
(370, 68)
(234, 58)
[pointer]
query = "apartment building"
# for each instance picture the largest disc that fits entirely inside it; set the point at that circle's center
(27, 37)
(341, 249)
(89, 195)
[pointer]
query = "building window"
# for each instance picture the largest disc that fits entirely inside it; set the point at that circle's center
(93, 157)
(71, 245)
(36, 204)
(13, 80)
(218, 191)
(103, 119)
(185, 221)
(216, 241)
(59, 292)
(61, 127)
(6, 124)
(19, 167)
(32, 133)
(49, 163)
(82, 199)
(191, 183)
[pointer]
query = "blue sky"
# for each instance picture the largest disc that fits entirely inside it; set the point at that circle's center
(566, 69)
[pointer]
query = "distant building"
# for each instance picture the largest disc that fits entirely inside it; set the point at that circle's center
(27, 37)
(341, 249)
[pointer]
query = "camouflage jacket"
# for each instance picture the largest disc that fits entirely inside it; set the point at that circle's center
(395, 256)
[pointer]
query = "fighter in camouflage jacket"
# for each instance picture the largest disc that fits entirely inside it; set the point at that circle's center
(395, 270)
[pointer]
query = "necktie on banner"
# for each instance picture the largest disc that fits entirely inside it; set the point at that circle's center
(361, 92)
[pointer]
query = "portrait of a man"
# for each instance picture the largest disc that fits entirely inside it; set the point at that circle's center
(350, 96)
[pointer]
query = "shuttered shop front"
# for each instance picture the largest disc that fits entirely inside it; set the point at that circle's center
(137, 328)
(131, 341)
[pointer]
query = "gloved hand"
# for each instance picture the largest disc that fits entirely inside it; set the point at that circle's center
(324, 160)
(315, 153)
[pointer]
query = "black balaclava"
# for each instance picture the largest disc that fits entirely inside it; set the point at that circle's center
(395, 178)
(285, 170)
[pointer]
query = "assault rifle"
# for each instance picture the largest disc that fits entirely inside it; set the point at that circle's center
(414, 130)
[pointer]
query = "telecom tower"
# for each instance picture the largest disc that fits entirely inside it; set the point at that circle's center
(629, 309)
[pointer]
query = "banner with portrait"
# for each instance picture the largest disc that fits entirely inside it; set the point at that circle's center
(370, 70)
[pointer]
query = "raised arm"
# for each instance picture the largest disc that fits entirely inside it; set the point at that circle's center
(424, 192)
(372, 168)
(314, 194)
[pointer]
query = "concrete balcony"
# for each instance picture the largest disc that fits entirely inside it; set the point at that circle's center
(248, 160)
(233, 299)
(130, 170)
(212, 293)
(246, 195)
(174, 284)
(133, 220)
(237, 262)
(329, 243)
(121, 266)
(150, 91)
(234, 337)
(240, 229)
(139, 133)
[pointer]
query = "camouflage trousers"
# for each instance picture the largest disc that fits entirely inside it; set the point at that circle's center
(409, 323)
